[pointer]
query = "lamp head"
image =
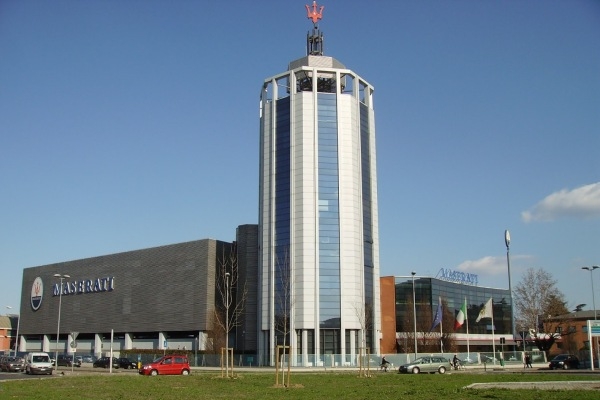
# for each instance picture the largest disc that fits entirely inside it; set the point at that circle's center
(413, 273)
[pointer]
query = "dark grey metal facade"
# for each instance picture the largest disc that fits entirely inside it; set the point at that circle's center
(169, 288)
(247, 250)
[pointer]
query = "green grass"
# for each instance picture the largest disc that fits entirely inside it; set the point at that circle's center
(330, 385)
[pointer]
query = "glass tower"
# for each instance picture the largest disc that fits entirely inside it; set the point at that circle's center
(318, 228)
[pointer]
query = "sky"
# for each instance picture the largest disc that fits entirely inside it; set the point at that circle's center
(128, 124)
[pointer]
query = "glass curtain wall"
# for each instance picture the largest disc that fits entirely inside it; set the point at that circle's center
(329, 224)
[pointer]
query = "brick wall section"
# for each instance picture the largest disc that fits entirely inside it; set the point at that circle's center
(388, 315)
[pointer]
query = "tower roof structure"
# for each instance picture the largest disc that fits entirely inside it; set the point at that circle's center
(315, 44)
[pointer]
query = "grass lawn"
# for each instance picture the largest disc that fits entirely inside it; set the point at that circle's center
(330, 385)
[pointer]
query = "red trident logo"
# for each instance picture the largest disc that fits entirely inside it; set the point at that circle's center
(36, 289)
(315, 15)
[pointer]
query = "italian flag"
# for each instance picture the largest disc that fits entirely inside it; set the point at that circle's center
(460, 317)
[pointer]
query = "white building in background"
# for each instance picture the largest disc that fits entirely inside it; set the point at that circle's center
(318, 218)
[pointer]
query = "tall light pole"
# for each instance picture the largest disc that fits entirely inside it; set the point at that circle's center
(413, 273)
(227, 324)
(591, 269)
(512, 303)
(61, 277)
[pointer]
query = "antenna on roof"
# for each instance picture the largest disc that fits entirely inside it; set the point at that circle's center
(314, 40)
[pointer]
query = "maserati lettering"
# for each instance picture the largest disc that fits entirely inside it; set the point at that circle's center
(97, 285)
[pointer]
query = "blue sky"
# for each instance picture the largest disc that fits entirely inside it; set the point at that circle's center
(132, 124)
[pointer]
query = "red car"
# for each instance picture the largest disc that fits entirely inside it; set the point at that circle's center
(167, 365)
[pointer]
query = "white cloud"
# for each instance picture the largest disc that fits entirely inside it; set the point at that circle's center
(581, 202)
(490, 265)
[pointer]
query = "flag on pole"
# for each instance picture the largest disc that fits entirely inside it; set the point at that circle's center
(438, 315)
(462, 314)
(487, 311)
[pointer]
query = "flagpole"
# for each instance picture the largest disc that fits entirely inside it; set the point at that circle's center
(467, 319)
(441, 337)
(441, 323)
(493, 331)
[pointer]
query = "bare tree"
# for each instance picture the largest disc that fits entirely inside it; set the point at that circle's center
(537, 304)
(364, 314)
(438, 339)
(448, 338)
(284, 303)
(231, 295)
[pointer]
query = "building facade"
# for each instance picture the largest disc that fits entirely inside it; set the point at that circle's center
(399, 313)
(8, 333)
(569, 333)
(158, 298)
(318, 217)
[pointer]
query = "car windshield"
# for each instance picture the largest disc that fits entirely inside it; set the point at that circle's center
(41, 359)
(157, 359)
(559, 358)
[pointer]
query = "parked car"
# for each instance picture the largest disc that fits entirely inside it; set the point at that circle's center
(89, 359)
(12, 364)
(564, 361)
(126, 363)
(104, 362)
(167, 365)
(38, 363)
(431, 364)
(66, 360)
(487, 359)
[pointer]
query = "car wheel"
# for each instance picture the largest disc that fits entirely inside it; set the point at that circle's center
(154, 372)
(185, 372)
(442, 370)
(415, 370)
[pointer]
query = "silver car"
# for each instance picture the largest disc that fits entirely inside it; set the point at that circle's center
(430, 364)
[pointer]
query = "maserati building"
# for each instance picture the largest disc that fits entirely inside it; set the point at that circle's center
(156, 298)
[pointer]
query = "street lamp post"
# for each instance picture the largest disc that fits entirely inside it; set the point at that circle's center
(197, 340)
(227, 324)
(414, 311)
(512, 305)
(591, 269)
(61, 277)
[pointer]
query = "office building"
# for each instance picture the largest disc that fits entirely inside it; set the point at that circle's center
(157, 298)
(451, 289)
(318, 221)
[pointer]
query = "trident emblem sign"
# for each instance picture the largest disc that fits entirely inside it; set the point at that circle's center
(313, 14)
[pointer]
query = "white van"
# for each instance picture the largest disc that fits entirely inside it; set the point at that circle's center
(38, 363)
